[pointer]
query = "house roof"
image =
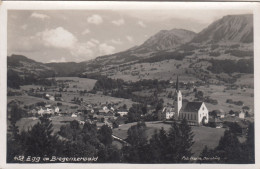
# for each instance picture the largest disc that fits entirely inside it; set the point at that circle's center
(192, 106)
(168, 109)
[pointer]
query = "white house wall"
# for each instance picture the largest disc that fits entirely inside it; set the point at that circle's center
(203, 111)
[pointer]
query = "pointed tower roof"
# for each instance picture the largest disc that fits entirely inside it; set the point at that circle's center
(177, 84)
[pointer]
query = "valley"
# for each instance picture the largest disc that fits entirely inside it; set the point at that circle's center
(135, 87)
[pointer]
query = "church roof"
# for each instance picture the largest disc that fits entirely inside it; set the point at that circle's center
(192, 106)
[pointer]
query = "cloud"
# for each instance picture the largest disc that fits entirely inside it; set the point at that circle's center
(39, 15)
(59, 38)
(24, 27)
(141, 23)
(90, 44)
(86, 31)
(119, 22)
(95, 19)
(116, 41)
(105, 49)
(59, 60)
(129, 38)
(94, 41)
(83, 50)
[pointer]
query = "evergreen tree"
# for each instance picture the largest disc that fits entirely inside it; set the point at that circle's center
(109, 154)
(105, 135)
(249, 145)
(138, 144)
(174, 141)
(186, 139)
(13, 138)
(137, 135)
(229, 148)
(40, 141)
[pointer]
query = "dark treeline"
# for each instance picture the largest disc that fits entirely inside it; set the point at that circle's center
(14, 80)
(121, 89)
(240, 53)
(68, 68)
(231, 66)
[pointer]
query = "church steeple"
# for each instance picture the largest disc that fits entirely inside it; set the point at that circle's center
(177, 84)
(178, 98)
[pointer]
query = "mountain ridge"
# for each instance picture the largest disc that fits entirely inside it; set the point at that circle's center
(235, 28)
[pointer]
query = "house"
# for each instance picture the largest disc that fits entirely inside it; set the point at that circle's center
(217, 113)
(74, 115)
(241, 115)
(105, 108)
(220, 113)
(167, 113)
(48, 105)
(215, 122)
(103, 112)
(45, 110)
(81, 122)
(196, 113)
(122, 112)
(52, 98)
(56, 109)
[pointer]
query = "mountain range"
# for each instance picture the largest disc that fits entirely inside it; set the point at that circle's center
(166, 44)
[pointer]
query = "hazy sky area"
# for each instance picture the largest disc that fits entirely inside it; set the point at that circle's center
(80, 35)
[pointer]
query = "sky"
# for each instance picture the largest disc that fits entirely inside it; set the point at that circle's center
(81, 35)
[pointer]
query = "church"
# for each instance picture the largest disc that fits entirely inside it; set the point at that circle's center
(196, 113)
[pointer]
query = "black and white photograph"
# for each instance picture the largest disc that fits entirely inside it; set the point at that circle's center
(134, 86)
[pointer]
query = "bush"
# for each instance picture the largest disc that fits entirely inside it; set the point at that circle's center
(240, 53)
(214, 54)
(231, 66)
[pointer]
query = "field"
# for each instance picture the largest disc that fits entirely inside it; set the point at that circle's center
(26, 123)
(202, 135)
(77, 83)
(221, 95)
(168, 68)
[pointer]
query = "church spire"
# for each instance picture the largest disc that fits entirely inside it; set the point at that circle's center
(177, 84)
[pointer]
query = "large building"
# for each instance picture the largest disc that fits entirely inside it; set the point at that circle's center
(196, 113)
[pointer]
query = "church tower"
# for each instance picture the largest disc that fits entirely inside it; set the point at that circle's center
(178, 99)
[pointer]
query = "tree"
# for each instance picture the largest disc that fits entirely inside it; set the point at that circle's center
(229, 148)
(15, 114)
(105, 135)
(186, 137)
(136, 151)
(40, 141)
(159, 146)
(109, 154)
(125, 106)
(134, 114)
(199, 95)
(14, 146)
(172, 146)
(136, 134)
(249, 145)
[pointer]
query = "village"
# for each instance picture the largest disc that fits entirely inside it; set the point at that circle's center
(64, 105)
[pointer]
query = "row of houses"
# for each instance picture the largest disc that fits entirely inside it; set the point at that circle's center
(47, 109)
